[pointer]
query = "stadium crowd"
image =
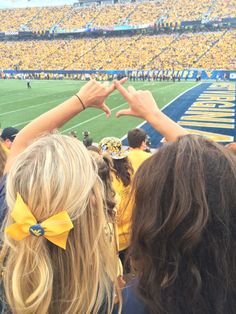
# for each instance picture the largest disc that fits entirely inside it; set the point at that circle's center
(33, 19)
(175, 51)
(146, 12)
(221, 49)
(71, 216)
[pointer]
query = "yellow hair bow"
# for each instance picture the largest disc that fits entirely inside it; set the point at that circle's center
(55, 229)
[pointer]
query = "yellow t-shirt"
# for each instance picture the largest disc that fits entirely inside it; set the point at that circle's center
(137, 157)
(124, 213)
(6, 150)
(112, 232)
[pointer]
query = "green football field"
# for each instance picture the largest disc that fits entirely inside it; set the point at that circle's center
(19, 105)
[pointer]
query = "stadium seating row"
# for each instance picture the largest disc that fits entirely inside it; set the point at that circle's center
(68, 17)
(212, 50)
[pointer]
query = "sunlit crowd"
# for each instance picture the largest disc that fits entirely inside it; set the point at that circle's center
(146, 12)
(212, 50)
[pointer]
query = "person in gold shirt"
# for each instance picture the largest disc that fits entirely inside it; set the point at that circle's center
(7, 137)
(121, 182)
(137, 139)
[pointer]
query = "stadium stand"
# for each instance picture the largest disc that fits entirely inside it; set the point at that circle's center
(78, 18)
(187, 10)
(69, 17)
(145, 13)
(98, 16)
(175, 51)
(21, 17)
(185, 50)
(48, 17)
(34, 19)
(222, 9)
(220, 53)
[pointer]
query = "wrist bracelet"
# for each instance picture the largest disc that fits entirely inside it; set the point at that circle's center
(80, 101)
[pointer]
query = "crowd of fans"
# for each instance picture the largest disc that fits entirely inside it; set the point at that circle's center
(110, 230)
(221, 50)
(222, 9)
(33, 19)
(186, 49)
(78, 18)
(147, 12)
(210, 50)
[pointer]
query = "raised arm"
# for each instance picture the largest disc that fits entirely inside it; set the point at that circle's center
(143, 105)
(92, 94)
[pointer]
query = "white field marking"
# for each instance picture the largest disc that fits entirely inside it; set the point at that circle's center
(25, 122)
(26, 99)
(22, 109)
(16, 101)
(169, 103)
(38, 105)
(91, 119)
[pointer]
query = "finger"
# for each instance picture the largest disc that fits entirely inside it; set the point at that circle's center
(122, 90)
(110, 88)
(106, 110)
(131, 89)
(124, 112)
(123, 80)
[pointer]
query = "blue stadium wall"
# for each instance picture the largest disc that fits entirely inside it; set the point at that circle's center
(185, 74)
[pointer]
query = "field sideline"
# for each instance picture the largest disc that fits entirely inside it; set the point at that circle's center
(20, 105)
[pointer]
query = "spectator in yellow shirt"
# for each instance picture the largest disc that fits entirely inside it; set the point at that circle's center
(7, 137)
(137, 139)
(122, 178)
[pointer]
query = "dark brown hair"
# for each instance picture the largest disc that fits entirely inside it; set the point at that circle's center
(123, 170)
(183, 244)
(136, 137)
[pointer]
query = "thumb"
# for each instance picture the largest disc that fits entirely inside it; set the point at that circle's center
(124, 112)
(106, 109)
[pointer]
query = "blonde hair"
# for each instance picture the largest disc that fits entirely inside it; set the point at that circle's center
(56, 173)
(105, 168)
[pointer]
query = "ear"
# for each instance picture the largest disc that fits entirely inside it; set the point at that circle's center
(8, 143)
(143, 145)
